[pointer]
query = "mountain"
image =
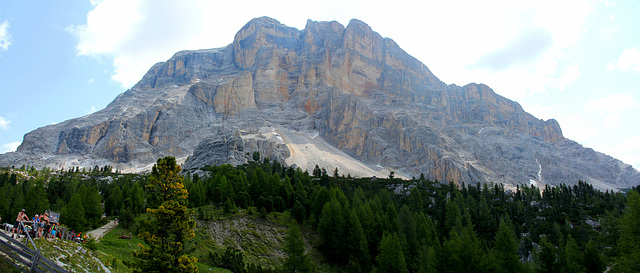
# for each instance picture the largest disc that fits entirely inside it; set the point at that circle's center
(330, 95)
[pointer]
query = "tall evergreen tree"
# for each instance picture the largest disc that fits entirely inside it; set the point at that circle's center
(629, 242)
(332, 228)
(92, 206)
(298, 212)
(114, 202)
(170, 225)
(463, 252)
(506, 249)
(297, 260)
(427, 261)
(391, 258)
(573, 256)
(73, 214)
(593, 260)
(356, 242)
(547, 258)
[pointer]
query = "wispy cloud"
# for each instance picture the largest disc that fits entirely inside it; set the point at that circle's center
(5, 36)
(628, 151)
(128, 33)
(526, 48)
(611, 107)
(611, 103)
(10, 147)
(628, 60)
(570, 74)
(4, 123)
(523, 42)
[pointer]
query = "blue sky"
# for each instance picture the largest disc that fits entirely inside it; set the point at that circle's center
(577, 61)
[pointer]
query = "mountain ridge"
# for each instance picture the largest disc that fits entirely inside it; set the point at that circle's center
(361, 92)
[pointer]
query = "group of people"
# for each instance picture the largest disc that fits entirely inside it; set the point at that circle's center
(37, 224)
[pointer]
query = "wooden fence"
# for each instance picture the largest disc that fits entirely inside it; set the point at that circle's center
(27, 259)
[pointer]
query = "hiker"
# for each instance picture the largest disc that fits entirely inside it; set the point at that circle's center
(22, 216)
(35, 223)
(52, 232)
(44, 219)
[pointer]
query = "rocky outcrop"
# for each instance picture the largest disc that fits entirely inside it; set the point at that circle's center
(360, 91)
(232, 148)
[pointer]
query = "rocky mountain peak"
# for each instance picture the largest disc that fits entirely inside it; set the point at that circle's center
(331, 95)
(262, 32)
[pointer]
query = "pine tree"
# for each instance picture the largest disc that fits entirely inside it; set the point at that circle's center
(73, 214)
(546, 257)
(427, 261)
(331, 227)
(37, 198)
(506, 248)
(170, 225)
(298, 212)
(391, 259)
(356, 242)
(453, 220)
(137, 196)
(629, 246)
(297, 260)
(114, 202)
(593, 260)
(463, 252)
(573, 256)
(92, 206)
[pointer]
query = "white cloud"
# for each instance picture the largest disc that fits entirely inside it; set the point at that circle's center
(609, 109)
(628, 151)
(529, 46)
(628, 60)
(4, 123)
(576, 127)
(135, 34)
(543, 111)
(580, 133)
(90, 81)
(5, 36)
(570, 74)
(612, 103)
(10, 147)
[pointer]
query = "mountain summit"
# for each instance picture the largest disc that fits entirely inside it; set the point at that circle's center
(330, 95)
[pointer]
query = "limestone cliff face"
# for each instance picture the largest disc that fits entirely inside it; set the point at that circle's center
(228, 98)
(360, 91)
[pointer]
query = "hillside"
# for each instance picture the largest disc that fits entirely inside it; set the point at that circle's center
(245, 216)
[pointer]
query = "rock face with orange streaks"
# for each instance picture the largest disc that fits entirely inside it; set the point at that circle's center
(359, 91)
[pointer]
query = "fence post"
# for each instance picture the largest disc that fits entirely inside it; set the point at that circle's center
(36, 257)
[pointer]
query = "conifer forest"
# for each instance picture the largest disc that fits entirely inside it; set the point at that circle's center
(332, 222)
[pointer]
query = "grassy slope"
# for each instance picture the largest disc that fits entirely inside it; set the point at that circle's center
(262, 243)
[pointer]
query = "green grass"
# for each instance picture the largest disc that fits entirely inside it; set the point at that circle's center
(117, 248)
(207, 268)
(7, 266)
(74, 256)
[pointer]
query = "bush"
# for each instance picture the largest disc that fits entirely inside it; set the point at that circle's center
(229, 206)
(278, 204)
(91, 243)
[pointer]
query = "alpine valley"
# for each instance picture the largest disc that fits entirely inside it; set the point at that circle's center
(327, 95)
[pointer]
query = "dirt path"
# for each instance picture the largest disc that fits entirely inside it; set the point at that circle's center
(98, 233)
